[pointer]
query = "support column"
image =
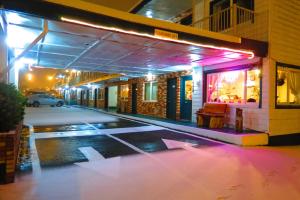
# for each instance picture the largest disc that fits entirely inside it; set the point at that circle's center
(3, 53)
(197, 90)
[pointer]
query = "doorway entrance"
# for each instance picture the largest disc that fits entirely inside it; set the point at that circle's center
(186, 90)
(171, 98)
(134, 99)
(87, 100)
(95, 97)
(112, 97)
(81, 97)
(106, 98)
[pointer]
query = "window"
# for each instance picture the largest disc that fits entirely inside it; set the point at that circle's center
(124, 92)
(239, 86)
(188, 90)
(150, 91)
(288, 85)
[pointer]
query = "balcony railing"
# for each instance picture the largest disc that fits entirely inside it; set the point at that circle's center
(237, 21)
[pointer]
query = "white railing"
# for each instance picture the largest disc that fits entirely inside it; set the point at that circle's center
(237, 21)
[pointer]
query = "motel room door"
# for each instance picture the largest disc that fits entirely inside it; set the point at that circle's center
(81, 97)
(106, 98)
(171, 98)
(134, 98)
(95, 97)
(87, 100)
(186, 89)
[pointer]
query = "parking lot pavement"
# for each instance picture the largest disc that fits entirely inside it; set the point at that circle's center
(95, 156)
(46, 115)
(60, 144)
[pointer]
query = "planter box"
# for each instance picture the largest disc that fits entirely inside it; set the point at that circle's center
(9, 148)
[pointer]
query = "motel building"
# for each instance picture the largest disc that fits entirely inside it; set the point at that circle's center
(240, 53)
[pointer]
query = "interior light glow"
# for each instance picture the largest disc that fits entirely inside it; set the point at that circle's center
(67, 87)
(15, 18)
(89, 85)
(257, 72)
(17, 52)
(60, 76)
(29, 77)
(150, 77)
(249, 53)
(73, 88)
(50, 78)
(18, 37)
(231, 77)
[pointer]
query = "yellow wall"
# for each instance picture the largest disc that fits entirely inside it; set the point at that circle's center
(284, 47)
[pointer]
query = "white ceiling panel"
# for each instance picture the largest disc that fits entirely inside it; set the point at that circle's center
(77, 29)
(68, 40)
(111, 50)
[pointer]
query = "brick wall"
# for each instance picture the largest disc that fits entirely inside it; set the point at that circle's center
(9, 143)
(158, 108)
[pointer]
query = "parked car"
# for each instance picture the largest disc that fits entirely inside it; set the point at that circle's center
(36, 100)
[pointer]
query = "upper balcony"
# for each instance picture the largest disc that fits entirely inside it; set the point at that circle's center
(237, 21)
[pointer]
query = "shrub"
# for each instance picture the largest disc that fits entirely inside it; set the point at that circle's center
(12, 106)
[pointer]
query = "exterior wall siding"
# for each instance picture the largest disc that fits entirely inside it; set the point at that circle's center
(284, 47)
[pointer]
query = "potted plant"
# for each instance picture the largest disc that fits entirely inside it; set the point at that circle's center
(12, 106)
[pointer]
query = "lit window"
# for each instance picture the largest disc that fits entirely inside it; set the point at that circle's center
(124, 92)
(238, 86)
(288, 86)
(150, 91)
(188, 90)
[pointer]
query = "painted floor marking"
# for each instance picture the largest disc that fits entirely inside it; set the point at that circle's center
(97, 132)
(166, 128)
(155, 159)
(91, 154)
(140, 120)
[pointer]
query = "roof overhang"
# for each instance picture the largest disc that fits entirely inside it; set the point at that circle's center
(105, 17)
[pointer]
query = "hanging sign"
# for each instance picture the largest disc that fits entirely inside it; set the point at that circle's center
(166, 34)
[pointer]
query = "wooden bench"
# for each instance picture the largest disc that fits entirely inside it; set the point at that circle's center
(211, 115)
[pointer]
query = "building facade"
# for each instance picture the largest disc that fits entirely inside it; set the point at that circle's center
(266, 88)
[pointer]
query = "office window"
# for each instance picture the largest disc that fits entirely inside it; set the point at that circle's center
(288, 85)
(150, 91)
(239, 86)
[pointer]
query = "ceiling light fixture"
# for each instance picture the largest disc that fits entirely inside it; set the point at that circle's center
(249, 53)
(149, 14)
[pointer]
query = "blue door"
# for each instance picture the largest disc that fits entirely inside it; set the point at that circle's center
(186, 90)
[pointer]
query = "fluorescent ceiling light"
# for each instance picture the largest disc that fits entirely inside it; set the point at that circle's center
(149, 14)
(18, 37)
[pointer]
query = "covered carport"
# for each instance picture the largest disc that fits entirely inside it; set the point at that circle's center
(89, 37)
